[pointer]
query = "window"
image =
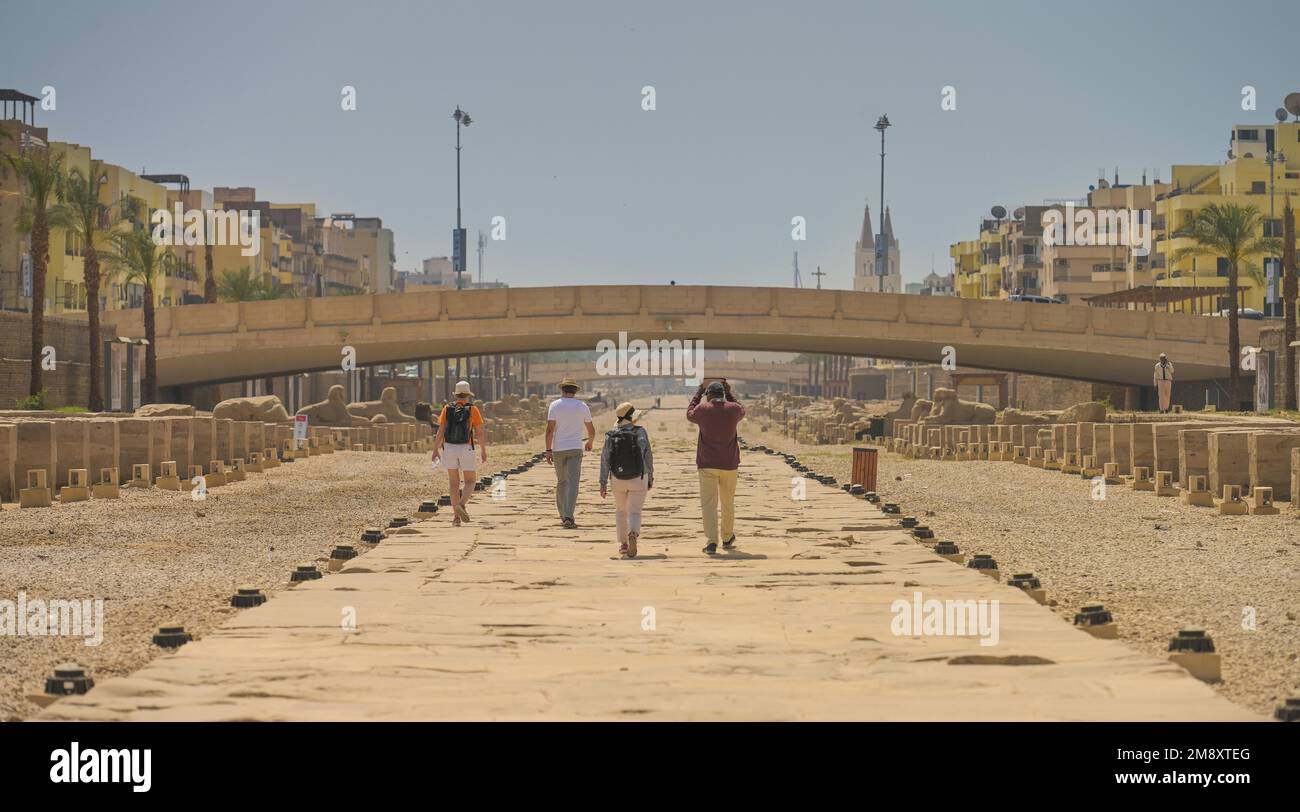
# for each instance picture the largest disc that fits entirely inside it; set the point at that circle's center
(1247, 135)
(1257, 187)
(1272, 228)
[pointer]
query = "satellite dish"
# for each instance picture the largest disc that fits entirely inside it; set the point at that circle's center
(1249, 155)
(1092, 187)
(1230, 155)
(998, 212)
(1292, 104)
(1280, 115)
(1019, 213)
(1105, 184)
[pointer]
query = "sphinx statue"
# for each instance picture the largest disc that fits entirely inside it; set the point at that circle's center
(386, 405)
(332, 411)
(262, 409)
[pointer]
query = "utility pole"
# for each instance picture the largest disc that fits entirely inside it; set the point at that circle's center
(482, 243)
(882, 124)
(458, 257)
(1289, 294)
(798, 281)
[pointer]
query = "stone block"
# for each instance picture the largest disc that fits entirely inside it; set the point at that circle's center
(106, 487)
(1269, 459)
(1165, 484)
(181, 441)
(78, 487)
(1261, 502)
(8, 461)
(37, 493)
(1231, 504)
(1198, 492)
(1229, 462)
(167, 476)
(70, 448)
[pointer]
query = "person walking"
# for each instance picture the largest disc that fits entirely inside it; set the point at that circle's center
(717, 456)
(566, 421)
(626, 454)
(460, 425)
(1164, 381)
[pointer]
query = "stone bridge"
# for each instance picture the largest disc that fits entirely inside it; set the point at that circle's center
(243, 340)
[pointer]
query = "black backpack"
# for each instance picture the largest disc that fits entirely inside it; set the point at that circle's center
(624, 453)
(458, 432)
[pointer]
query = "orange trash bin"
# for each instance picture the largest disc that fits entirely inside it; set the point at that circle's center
(864, 468)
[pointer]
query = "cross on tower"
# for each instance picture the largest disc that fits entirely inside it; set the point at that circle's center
(818, 273)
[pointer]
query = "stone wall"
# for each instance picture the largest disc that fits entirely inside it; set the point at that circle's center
(69, 383)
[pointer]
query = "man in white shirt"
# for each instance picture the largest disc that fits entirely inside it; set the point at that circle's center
(1164, 381)
(567, 421)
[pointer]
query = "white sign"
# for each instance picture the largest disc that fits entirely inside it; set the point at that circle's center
(299, 430)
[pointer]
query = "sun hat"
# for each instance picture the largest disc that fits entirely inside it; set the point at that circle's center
(462, 388)
(569, 382)
(625, 412)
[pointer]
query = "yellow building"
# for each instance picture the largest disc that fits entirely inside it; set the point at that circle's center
(1244, 180)
(65, 286)
(966, 268)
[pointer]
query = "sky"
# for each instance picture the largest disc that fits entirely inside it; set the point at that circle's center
(763, 112)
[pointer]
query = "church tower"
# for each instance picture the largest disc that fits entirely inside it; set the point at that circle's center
(876, 263)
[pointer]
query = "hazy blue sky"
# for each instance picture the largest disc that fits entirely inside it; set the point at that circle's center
(764, 113)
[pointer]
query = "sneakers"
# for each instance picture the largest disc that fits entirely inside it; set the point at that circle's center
(461, 513)
(711, 548)
(630, 547)
(622, 549)
(729, 543)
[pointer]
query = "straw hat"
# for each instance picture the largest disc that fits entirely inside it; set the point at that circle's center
(569, 382)
(625, 410)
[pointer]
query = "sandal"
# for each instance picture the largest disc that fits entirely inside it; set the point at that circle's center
(622, 549)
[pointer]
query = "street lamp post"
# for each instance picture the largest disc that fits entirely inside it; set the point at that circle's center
(458, 236)
(1272, 157)
(882, 124)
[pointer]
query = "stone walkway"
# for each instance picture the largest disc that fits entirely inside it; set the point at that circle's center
(512, 617)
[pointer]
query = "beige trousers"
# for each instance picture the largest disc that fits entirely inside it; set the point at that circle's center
(718, 489)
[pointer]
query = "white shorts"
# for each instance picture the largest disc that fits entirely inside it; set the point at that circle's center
(458, 457)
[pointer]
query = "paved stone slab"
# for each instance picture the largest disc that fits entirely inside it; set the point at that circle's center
(512, 617)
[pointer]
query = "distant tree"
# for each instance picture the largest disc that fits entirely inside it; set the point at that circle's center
(40, 171)
(140, 260)
(81, 213)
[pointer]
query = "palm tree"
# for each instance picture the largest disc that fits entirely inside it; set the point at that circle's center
(240, 286)
(141, 260)
(245, 286)
(1230, 231)
(80, 212)
(41, 173)
(1289, 294)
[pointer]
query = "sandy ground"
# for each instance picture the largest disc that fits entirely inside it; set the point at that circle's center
(158, 557)
(513, 617)
(1158, 565)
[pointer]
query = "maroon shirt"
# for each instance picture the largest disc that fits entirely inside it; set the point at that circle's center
(717, 446)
